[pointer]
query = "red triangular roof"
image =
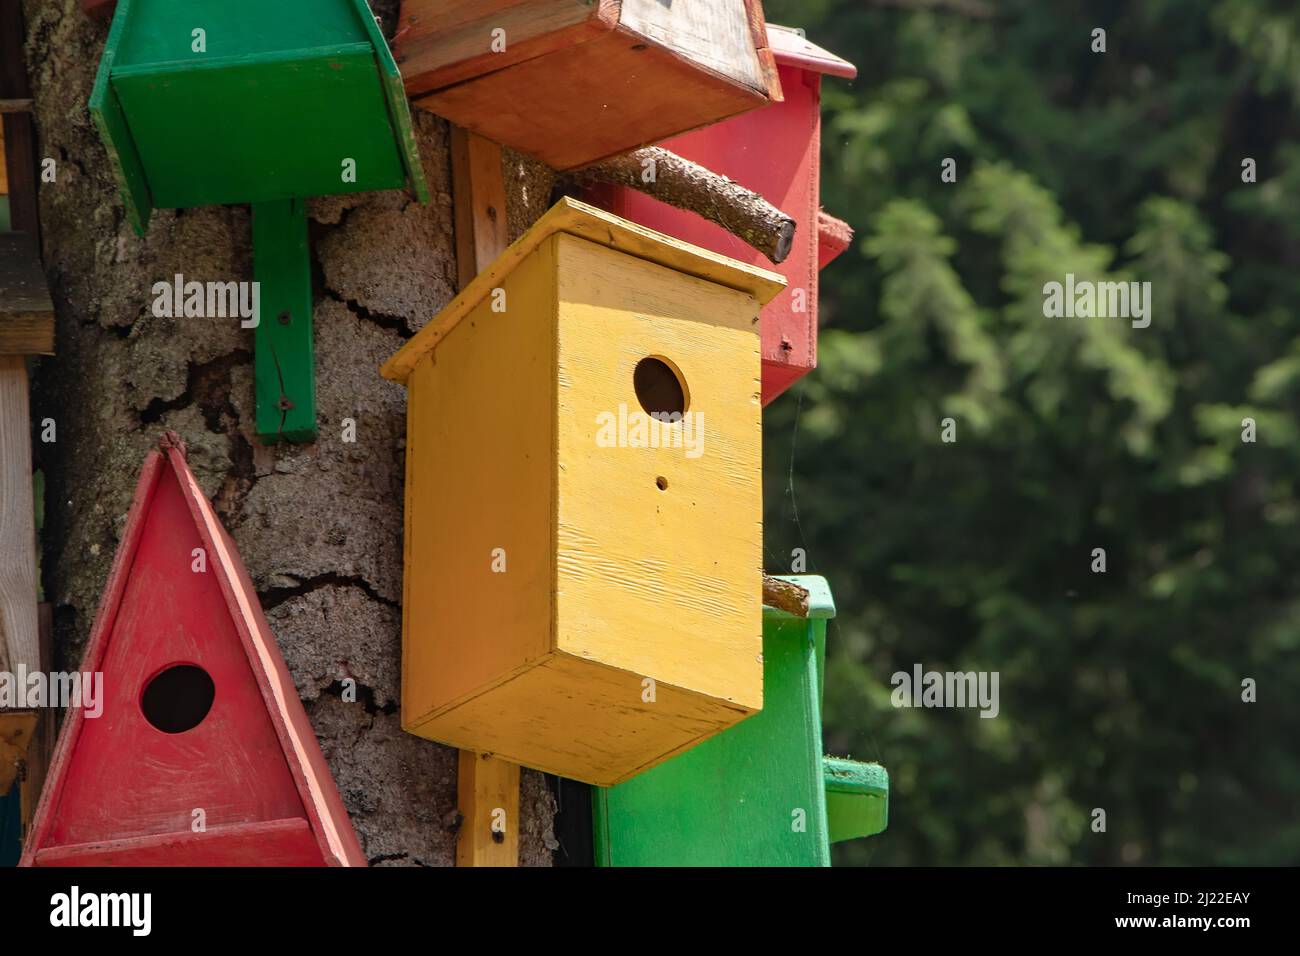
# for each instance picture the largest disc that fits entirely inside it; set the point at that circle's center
(122, 792)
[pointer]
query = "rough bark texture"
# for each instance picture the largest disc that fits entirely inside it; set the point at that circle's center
(319, 526)
(687, 185)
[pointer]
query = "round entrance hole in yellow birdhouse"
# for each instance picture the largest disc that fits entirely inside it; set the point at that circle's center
(659, 387)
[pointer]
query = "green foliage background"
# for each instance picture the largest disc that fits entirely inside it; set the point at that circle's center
(1119, 690)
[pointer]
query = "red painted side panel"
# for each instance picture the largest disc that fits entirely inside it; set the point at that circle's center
(280, 843)
(774, 151)
(131, 779)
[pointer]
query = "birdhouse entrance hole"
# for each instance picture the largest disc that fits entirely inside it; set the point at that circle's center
(178, 698)
(659, 387)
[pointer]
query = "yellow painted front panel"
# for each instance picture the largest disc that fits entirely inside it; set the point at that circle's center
(581, 720)
(480, 477)
(660, 583)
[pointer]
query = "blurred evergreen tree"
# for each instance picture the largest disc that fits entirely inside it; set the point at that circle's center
(1122, 690)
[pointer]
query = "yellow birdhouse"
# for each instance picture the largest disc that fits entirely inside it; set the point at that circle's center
(583, 501)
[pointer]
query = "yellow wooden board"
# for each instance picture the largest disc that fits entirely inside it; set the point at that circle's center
(682, 563)
(478, 459)
(581, 720)
(488, 800)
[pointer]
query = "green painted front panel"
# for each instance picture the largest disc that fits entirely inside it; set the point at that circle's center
(162, 30)
(281, 96)
(731, 801)
(857, 798)
(255, 131)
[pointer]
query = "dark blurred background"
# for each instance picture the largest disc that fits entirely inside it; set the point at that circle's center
(1122, 690)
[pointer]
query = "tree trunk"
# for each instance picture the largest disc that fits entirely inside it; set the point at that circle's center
(320, 525)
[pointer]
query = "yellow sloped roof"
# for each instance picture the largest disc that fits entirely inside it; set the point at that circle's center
(595, 225)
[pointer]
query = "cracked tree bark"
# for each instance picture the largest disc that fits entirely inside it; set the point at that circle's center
(319, 526)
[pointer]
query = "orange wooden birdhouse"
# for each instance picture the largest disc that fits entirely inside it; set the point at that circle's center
(776, 152)
(196, 750)
(575, 81)
(583, 583)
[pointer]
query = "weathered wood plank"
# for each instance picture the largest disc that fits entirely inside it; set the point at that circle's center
(479, 198)
(19, 635)
(26, 312)
(715, 34)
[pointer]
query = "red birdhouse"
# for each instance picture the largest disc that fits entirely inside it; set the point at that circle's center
(775, 152)
(197, 750)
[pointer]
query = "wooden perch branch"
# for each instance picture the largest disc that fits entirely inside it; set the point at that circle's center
(679, 182)
(785, 596)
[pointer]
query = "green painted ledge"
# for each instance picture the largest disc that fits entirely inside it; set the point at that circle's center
(857, 798)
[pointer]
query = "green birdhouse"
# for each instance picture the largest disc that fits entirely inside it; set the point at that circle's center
(760, 793)
(239, 101)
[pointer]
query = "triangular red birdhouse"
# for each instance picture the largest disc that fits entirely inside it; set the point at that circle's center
(201, 753)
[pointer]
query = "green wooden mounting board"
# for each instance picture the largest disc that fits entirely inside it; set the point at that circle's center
(760, 793)
(283, 96)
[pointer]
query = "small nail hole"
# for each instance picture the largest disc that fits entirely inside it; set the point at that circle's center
(661, 483)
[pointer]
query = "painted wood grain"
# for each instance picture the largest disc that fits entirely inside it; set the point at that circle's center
(582, 720)
(685, 563)
(589, 101)
(273, 843)
(488, 800)
(480, 455)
